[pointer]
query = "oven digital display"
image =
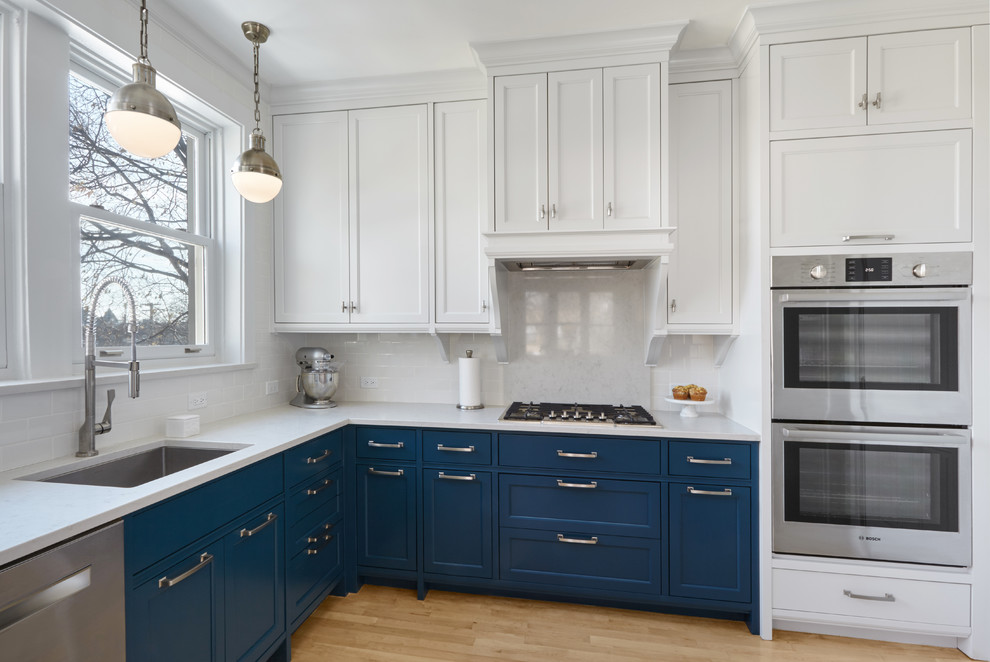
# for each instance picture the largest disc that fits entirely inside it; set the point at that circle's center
(866, 269)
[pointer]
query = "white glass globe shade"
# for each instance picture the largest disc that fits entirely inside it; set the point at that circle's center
(142, 134)
(256, 186)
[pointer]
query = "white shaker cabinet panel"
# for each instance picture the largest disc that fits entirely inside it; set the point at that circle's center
(460, 177)
(389, 210)
(521, 153)
(700, 277)
(920, 76)
(574, 125)
(632, 147)
(311, 227)
(818, 84)
(874, 189)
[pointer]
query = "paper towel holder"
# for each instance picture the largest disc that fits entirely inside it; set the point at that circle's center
(470, 353)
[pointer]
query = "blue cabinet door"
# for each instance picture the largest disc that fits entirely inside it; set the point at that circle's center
(253, 572)
(457, 526)
(386, 514)
(178, 614)
(710, 542)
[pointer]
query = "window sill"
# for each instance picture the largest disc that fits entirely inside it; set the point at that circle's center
(108, 376)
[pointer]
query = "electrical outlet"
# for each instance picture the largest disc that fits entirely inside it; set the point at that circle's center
(271, 387)
(369, 382)
(197, 400)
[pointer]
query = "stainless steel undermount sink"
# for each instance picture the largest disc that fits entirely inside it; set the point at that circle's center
(136, 468)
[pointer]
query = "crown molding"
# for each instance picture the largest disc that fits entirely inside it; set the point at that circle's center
(443, 85)
(703, 64)
(652, 42)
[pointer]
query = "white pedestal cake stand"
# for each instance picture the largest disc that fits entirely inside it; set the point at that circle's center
(688, 406)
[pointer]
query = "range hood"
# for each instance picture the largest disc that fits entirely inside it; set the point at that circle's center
(581, 251)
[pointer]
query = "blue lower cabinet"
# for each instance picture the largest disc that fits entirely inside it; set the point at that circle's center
(579, 560)
(312, 569)
(710, 538)
(386, 516)
(254, 610)
(457, 522)
(178, 614)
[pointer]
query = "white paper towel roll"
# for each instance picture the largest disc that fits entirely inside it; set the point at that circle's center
(469, 396)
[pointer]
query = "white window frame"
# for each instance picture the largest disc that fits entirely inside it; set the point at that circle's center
(203, 221)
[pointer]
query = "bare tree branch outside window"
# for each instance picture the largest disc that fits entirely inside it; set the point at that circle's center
(152, 192)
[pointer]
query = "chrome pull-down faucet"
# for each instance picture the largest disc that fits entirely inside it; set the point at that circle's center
(90, 428)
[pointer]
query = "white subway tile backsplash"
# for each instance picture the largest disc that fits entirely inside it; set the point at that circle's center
(27, 405)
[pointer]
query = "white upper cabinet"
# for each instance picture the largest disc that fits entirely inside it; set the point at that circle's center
(632, 146)
(460, 176)
(873, 189)
(700, 277)
(521, 153)
(574, 140)
(389, 214)
(578, 150)
(311, 219)
(883, 79)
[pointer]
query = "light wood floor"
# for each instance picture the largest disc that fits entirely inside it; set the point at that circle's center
(389, 624)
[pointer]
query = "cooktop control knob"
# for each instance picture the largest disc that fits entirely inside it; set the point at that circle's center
(818, 271)
(920, 270)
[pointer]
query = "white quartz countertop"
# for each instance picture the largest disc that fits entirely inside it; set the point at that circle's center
(35, 515)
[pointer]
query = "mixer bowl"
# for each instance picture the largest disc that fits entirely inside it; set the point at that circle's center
(320, 386)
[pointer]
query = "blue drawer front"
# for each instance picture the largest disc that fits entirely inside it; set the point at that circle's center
(179, 521)
(450, 447)
(312, 569)
(709, 459)
(311, 458)
(639, 456)
(386, 443)
(322, 495)
(612, 563)
(618, 507)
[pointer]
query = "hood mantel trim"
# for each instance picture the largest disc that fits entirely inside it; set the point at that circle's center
(591, 246)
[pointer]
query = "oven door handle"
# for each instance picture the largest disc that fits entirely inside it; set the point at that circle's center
(877, 295)
(812, 434)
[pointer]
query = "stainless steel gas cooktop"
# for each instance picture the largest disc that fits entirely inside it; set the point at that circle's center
(555, 412)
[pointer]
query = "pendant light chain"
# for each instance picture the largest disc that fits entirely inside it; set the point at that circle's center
(144, 33)
(257, 94)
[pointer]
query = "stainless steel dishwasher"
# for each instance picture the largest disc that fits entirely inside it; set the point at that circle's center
(66, 604)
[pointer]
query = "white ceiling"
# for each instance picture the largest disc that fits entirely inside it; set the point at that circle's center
(323, 40)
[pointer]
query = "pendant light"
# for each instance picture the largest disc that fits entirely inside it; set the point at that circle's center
(255, 174)
(138, 116)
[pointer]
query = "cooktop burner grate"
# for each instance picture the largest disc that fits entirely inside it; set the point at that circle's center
(556, 412)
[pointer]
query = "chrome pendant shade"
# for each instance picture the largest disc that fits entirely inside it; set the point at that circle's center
(138, 116)
(255, 174)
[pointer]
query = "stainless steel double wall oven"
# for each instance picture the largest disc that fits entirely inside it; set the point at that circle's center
(872, 405)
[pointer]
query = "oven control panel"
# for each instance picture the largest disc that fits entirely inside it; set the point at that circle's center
(895, 270)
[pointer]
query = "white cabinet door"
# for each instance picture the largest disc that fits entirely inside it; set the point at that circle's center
(699, 287)
(874, 189)
(818, 84)
(389, 213)
(632, 147)
(920, 76)
(460, 207)
(574, 138)
(521, 153)
(310, 238)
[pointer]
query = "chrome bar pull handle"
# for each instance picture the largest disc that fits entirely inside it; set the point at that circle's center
(379, 472)
(204, 561)
(593, 540)
(584, 486)
(484, 306)
(725, 492)
(876, 102)
(553, 210)
(343, 306)
(694, 460)
(608, 209)
(326, 483)
(587, 456)
(111, 352)
(353, 307)
(441, 475)
(247, 533)
(319, 458)
(886, 597)
(455, 449)
(860, 237)
(863, 102)
(673, 305)
(374, 444)
(543, 212)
